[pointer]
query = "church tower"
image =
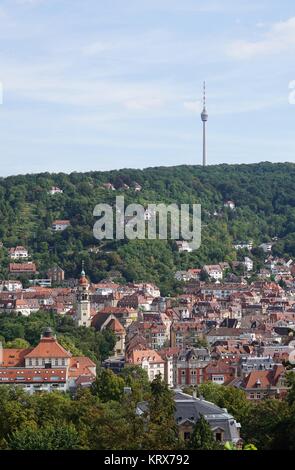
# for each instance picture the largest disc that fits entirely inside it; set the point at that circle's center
(83, 311)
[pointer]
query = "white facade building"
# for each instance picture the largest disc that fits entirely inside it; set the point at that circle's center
(18, 252)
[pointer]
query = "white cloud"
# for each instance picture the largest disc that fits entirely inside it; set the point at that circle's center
(281, 38)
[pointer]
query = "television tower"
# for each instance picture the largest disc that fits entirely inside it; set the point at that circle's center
(204, 117)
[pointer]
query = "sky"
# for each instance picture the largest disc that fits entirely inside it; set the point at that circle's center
(98, 85)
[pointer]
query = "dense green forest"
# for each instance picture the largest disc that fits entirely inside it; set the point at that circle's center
(264, 195)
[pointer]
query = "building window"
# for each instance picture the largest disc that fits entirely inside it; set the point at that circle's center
(186, 436)
(218, 436)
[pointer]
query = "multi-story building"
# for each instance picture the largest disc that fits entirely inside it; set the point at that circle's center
(188, 411)
(10, 286)
(214, 271)
(220, 372)
(149, 360)
(189, 366)
(185, 333)
(261, 384)
(56, 275)
(46, 367)
(18, 252)
(19, 269)
(247, 364)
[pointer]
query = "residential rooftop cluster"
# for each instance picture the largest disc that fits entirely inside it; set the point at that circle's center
(221, 328)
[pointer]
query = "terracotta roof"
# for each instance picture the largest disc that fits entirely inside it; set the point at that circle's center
(106, 285)
(266, 378)
(85, 380)
(14, 357)
(49, 347)
(22, 267)
(116, 326)
(21, 375)
(115, 310)
(80, 365)
(137, 357)
(61, 222)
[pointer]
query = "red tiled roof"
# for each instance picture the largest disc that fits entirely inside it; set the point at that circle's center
(267, 378)
(115, 326)
(136, 357)
(20, 375)
(22, 267)
(61, 222)
(14, 357)
(49, 347)
(80, 365)
(84, 379)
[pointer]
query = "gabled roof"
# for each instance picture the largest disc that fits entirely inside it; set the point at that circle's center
(115, 326)
(265, 378)
(80, 366)
(49, 347)
(137, 357)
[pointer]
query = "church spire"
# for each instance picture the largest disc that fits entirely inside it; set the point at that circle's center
(83, 268)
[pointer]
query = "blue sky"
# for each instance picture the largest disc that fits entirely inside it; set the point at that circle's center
(103, 84)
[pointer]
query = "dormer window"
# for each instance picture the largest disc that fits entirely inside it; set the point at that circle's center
(258, 383)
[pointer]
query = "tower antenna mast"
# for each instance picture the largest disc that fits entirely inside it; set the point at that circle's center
(204, 117)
